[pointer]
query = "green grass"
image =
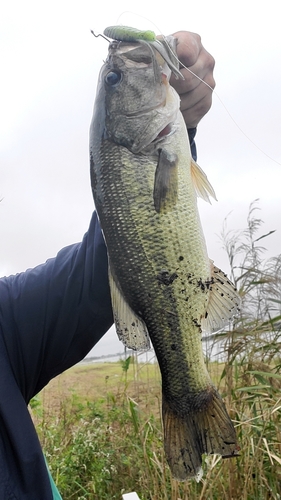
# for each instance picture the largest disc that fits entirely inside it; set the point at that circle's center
(98, 449)
(100, 424)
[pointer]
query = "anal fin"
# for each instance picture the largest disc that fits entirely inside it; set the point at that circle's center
(130, 328)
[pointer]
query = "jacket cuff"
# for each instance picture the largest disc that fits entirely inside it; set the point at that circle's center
(191, 135)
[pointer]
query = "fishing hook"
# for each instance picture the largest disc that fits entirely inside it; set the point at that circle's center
(100, 34)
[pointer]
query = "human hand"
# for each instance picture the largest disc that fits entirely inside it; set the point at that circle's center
(196, 97)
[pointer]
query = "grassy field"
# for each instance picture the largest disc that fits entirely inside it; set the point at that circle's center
(100, 428)
(97, 381)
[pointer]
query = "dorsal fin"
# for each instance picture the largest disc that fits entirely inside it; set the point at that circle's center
(201, 183)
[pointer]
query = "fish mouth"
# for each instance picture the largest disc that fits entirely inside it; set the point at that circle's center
(164, 47)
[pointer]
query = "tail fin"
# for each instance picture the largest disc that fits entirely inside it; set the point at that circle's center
(187, 437)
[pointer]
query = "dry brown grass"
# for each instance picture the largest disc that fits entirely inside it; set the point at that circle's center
(96, 381)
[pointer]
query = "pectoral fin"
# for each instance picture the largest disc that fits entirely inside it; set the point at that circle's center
(166, 182)
(224, 301)
(130, 328)
(201, 183)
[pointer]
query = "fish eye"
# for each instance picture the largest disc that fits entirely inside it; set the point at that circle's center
(113, 78)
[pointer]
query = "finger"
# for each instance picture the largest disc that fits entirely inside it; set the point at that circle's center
(201, 70)
(196, 89)
(199, 89)
(188, 47)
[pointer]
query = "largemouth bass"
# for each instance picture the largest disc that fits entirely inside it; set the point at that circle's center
(163, 285)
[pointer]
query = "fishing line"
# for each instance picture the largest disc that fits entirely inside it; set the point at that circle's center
(228, 112)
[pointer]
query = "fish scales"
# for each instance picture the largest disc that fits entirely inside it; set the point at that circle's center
(160, 275)
(132, 223)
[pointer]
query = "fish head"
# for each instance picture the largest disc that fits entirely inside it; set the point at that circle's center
(135, 105)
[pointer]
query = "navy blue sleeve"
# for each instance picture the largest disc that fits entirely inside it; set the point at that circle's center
(52, 315)
(191, 135)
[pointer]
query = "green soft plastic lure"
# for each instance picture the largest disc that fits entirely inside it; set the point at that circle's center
(128, 34)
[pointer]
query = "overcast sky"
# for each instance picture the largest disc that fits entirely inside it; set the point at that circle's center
(49, 68)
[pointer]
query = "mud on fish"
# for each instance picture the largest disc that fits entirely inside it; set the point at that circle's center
(164, 287)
